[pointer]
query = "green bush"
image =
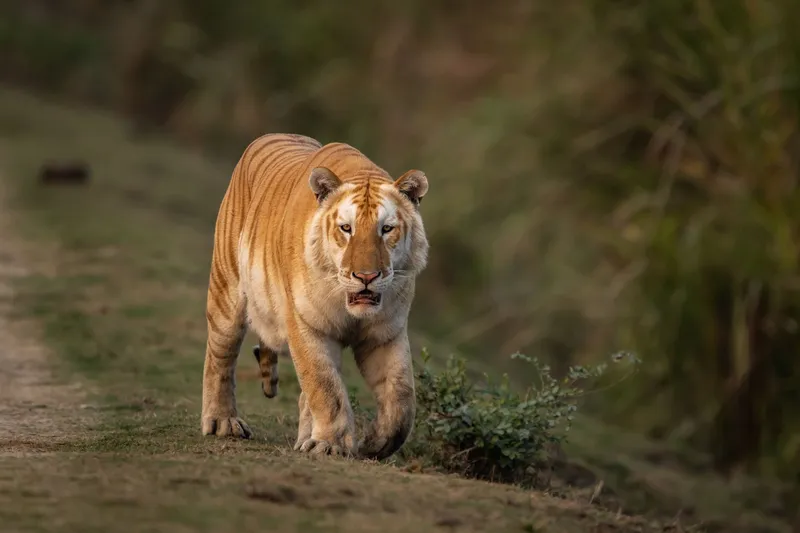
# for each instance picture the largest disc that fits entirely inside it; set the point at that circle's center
(491, 431)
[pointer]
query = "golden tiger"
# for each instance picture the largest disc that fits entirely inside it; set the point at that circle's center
(316, 248)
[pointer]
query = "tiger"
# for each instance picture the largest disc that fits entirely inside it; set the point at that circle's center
(316, 248)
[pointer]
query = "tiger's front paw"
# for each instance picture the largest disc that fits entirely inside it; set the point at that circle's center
(323, 447)
(339, 441)
(226, 426)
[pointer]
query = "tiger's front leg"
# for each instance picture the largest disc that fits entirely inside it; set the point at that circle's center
(388, 371)
(324, 402)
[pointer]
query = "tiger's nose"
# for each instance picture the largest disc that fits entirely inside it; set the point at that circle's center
(366, 277)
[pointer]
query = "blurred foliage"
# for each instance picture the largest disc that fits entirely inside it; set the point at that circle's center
(706, 203)
(605, 174)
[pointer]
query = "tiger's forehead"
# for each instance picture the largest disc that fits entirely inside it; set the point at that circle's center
(368, 201)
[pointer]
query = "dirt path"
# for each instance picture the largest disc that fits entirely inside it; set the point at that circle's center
(36, 410)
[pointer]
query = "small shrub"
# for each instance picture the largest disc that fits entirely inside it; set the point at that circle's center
(491, 431)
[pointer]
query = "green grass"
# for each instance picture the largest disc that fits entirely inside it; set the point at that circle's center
(118, 285)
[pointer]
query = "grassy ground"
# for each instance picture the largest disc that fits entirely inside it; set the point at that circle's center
(117, 283)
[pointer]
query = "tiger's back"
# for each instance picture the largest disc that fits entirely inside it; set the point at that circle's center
(261, 183)
(274, 172)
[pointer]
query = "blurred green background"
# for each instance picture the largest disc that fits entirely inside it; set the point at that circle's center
(605, 175)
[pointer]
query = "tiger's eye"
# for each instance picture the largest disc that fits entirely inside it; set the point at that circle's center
(387, 228)
(345, 228)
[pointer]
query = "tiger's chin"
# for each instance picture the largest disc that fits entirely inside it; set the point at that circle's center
(363, 303)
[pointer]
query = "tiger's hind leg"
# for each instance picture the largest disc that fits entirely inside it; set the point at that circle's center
(268, 364)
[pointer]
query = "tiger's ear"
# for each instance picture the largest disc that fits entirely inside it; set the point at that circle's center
(323, 182)
(413, 184)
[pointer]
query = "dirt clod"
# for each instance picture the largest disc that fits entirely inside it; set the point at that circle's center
(280, 494)
(448, 521)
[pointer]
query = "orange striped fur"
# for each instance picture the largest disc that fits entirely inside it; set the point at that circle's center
(316, 248)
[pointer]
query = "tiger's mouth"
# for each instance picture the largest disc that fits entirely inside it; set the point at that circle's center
(365, 297)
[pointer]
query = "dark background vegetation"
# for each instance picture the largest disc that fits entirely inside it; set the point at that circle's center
(605, 175)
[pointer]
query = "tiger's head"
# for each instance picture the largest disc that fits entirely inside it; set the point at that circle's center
(367, 234)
